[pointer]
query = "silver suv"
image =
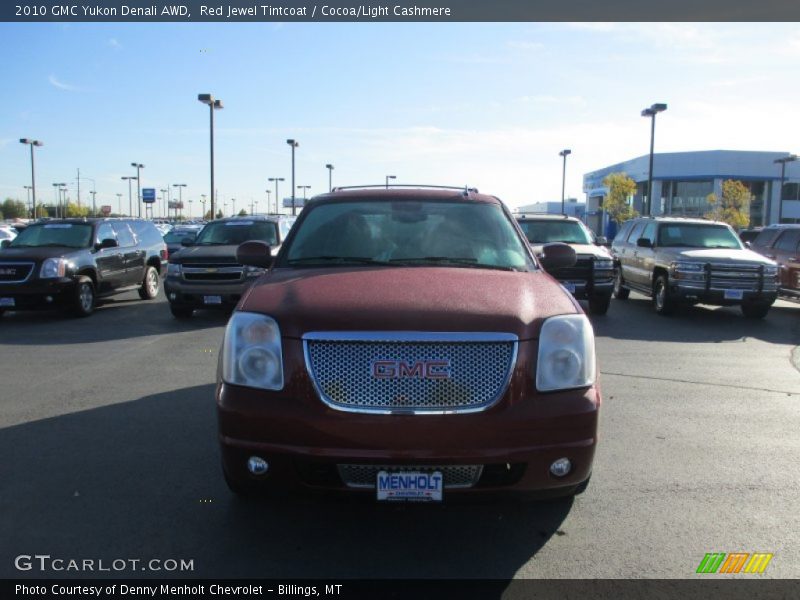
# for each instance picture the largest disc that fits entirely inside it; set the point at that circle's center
(676, 260)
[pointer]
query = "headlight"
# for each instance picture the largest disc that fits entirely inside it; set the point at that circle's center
(566, 354)
(53, 267)
(602, 264)
(688, 271)
(253, 271)
(770, 271)
(174, 269)
(251, 352)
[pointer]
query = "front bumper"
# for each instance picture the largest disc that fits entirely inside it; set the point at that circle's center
(719, 297)
(306, 442)
(583, 290)
(38, 294)
(195, 294)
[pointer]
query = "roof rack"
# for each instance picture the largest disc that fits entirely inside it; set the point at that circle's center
(464, 188)
(540, 213)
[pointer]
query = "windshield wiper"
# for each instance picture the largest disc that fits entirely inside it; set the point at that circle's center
(364, 260)
(454, 261)
(214, 244)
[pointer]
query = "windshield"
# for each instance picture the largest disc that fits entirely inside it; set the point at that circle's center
(70, 235)
(227, 233)
(175, 237)
(697, 236)
(552, 230)
(408, 233)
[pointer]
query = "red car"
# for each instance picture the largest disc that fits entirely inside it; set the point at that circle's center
(406, 344)
(781, 243)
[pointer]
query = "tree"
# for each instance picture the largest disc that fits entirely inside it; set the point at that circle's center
(219, 214)
(13, 209)
(73, 210)
(208, 216)
(734, 206)
(620, 188)
(243, 213)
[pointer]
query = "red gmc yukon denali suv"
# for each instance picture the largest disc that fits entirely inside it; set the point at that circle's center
(406, 344)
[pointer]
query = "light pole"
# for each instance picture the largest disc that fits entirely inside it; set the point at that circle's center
(294, 144)
(190, 209)
(212, 105)
(564, 153)
(268, 193)
(203, 202)
(180, 187)
(28, 192)
(782, 161)
(276, 180)
(304, 188)
(233, 207)
(651, 112)
(119, 202)
(130, 200)
(32, 143)
(388, 177)
(164, 198)
(138, 166)
(56, 187)
(330, 176)
(94, 205)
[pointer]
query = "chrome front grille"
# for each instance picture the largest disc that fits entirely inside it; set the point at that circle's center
(409, 372)
(213, 272)
(15, 272)
(454, 476)
(737, 277)
(581, 271)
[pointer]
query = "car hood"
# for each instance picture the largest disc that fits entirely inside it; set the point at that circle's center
(221, 254)
(38, 254)
(408, 299)
(584, 250)
(715, 255)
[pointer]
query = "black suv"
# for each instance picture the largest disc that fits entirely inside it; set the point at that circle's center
(69, 263)
(205, 272)
(677, 260)
(592, 276)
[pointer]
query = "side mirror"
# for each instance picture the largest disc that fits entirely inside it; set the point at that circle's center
(557, 256)
(187, 241)
(644, 243)
(254, 254)
(748, 245)
(601, 241)
(107, 243)
(5, 243)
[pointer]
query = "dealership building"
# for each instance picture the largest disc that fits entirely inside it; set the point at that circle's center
(682, 182)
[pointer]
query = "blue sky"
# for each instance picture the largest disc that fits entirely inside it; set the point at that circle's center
(489, 105)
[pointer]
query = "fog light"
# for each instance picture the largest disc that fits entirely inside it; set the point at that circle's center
(257, 465)
(48, 299)
(560, 467)
(173, 296)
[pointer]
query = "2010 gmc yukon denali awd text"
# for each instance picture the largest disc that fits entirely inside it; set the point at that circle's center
(406, 344)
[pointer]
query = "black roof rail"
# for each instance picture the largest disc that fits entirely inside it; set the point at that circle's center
(463, 188)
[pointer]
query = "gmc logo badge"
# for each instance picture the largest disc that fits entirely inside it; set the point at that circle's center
(420, 369)
(8, 271)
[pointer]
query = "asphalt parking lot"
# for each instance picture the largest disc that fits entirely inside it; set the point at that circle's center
(109, 452)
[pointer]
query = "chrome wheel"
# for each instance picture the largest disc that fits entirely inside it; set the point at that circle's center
(86, 297)
(152, 282)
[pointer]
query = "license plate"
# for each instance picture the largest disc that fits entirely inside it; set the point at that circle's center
(570, 287)
(6, 302)
(733, 294)
(212, 299)
(411, 486)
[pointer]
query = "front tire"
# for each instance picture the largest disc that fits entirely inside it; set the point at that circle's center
(620, 292)
(664, 305)
(598, 305)
(150, 284)
(83, 299)
(755, 310)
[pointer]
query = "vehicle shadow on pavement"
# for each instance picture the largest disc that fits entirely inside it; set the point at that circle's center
(635, 319)
(118, 318)
(141, 480)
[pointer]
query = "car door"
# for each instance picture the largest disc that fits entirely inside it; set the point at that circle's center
(109, 261)
(132, 257)
(644, 258)
(785, 253)
(629, 256)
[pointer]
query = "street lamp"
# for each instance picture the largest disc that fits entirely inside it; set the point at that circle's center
(783, 160)
(304, 188)
(330, 176)
(651, 112)
(94, 205)
(294, 144)
(180, 187)
(203, 202)
(388, 177)
(212, 105)
(32, 143)
(564, 153)
(138, 166)
(119, 203)
(130, 200)
(268, 193)
(276, 180)
(60, 210)
(28, 193)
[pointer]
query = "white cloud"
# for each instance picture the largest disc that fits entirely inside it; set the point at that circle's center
(63, 86)
(114, 43)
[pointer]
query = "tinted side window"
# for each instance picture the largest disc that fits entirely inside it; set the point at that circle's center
(788, 240)
(124, 235)
(146, 232)
(766, 237)
(105, 231)
(636, 233)
(650, 232)
(622, 234)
